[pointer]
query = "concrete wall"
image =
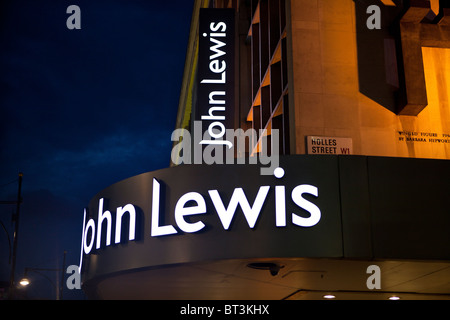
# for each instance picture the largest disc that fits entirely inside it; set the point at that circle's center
(328, 83)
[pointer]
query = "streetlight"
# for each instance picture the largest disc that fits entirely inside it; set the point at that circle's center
(25, 281)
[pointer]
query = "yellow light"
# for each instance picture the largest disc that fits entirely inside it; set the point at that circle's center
(329, 296)
(388, 3)
(24, 282)
(394, 298)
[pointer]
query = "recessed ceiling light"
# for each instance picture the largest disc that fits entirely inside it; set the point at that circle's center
(394, 298)
(329, 296)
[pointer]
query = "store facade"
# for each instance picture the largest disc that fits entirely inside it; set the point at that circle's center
(361, 178)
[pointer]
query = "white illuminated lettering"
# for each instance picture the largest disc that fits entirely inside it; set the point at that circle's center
(215, 125)
(280, 200)
(214, 117)
(219, 44)
(88, 247)
(222, 79)
(215, 27)
(218, 69)
(238, 197)
(87, 243)
(156, 229)
(132, 228)
(82, 242)
(181, 211)
(280, 206)
(305, 204)
(217, 142)
(193, 203)
(101, 216)
(214, 66)
(212, 96)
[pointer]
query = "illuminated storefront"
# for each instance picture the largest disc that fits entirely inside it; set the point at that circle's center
(360, 184)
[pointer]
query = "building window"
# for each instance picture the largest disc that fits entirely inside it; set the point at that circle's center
(267, 38)
(268, 72)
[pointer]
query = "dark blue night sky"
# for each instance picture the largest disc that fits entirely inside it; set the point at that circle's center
(79, 111)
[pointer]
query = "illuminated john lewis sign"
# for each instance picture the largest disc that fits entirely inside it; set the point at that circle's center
(100, 232)
(215, 94)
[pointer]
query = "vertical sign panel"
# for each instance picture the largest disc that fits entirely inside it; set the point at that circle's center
(215, 100)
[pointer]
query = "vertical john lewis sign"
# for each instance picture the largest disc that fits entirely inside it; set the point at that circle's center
(215, 100)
